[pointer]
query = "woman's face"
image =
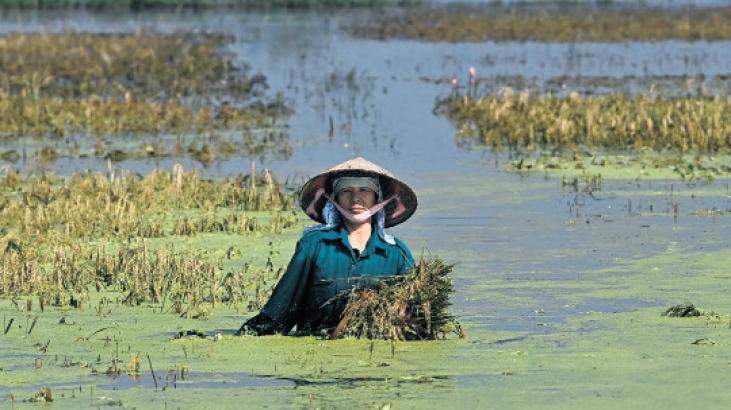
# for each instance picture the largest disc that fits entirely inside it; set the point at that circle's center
(356, 199)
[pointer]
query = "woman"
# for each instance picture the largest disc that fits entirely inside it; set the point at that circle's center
(354, 202)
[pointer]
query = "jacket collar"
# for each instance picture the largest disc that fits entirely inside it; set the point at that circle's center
(375, 243)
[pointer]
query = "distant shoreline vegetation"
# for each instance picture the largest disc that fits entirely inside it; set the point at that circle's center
(195, 4)
(550, 22)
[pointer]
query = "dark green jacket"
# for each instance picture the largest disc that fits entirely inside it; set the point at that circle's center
(324, 265)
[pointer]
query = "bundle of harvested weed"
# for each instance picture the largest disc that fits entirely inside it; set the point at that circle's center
(410, 307)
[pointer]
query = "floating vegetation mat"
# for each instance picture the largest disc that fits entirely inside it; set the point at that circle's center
(414, 307)
(642, 163)
(549, 23)
(530, 123)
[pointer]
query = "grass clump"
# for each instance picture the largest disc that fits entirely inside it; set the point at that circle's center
(411, 307)
(549, 23)
(525, 122)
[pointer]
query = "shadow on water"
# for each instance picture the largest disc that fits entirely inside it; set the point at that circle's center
(161, 381)
(346, 382)
(205, 380)
(197, 380)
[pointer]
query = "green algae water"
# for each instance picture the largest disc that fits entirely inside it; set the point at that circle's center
(559, 286)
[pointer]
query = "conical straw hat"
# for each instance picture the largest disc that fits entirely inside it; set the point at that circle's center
(397, 210)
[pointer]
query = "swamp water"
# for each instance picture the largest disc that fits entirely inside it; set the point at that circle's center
(560, 288)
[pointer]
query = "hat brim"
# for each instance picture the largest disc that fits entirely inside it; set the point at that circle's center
(390, 186)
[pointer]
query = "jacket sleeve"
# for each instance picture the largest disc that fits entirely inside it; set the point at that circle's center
(406, 259)
(283, 308)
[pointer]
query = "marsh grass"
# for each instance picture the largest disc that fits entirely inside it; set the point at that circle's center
(176, 281)
(65, 237)
(129, 206)
(95, 117)
(412, 307)
(95, 89)
(118, 65)
(549, 23)
(233, 223)
(522, 122)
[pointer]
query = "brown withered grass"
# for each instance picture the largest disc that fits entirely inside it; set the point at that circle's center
(65, 237)
(411, 307)
(96, 117)
(130, 206)
(141, 64)
(525, 122)
(180, 282)
(96, 87)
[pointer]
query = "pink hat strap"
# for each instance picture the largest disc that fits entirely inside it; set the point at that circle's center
(363, 216)
(355, 218)
(311, 211)
(400, 208)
